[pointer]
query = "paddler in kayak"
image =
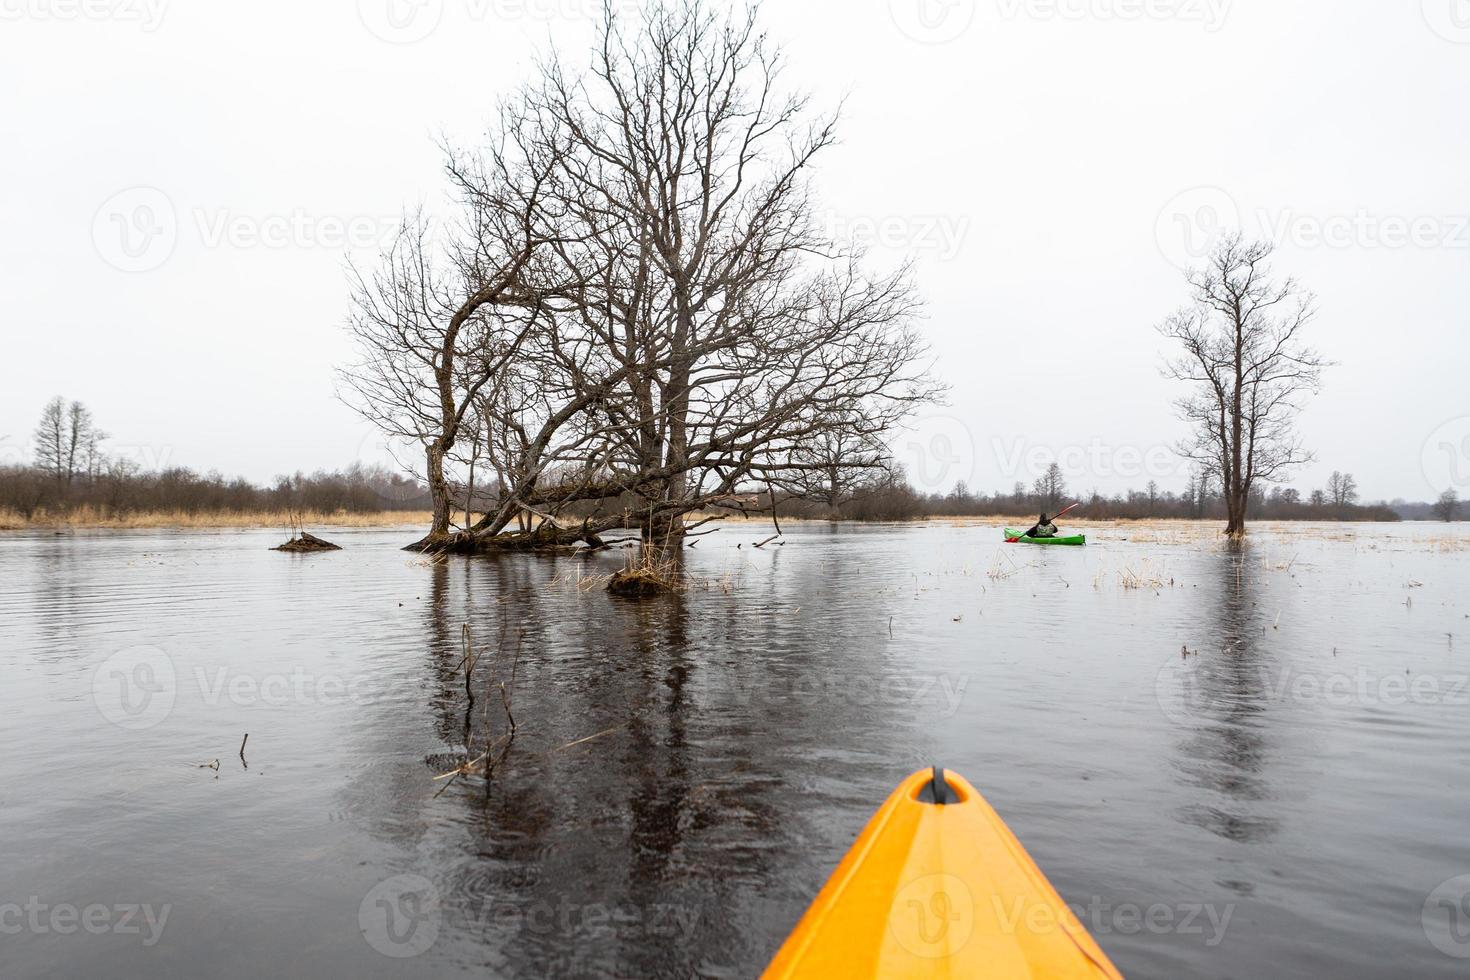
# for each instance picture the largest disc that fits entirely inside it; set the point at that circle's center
(1043, 528)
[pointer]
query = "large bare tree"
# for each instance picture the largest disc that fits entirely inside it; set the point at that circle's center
(719, 329)
(660, 321)
(1248, 368)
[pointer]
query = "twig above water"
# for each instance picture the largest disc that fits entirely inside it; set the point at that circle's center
(605, 731)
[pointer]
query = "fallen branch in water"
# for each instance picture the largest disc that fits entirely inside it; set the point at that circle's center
(605, 731)
(776, 521)
(499, 747)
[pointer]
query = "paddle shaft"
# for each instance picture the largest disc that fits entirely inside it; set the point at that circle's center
(1064, 510)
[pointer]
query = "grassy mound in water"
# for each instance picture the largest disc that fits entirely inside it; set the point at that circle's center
(646, 575)
(306, 542)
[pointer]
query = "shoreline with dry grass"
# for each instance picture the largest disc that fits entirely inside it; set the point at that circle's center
(87, 518)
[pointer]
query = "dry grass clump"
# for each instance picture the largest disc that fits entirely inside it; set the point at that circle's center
(1144, 578)
(645, 577)
(1445, 542)
(91, 517)
(1148, 575)
(647, 572)
(1004, 566)
(581, 579)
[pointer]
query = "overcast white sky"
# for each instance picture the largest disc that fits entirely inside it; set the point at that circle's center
(178, 180)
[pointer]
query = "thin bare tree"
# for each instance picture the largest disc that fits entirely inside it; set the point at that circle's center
(1248, 370)
(1447, 505)
(68, 443)
(1342, 489)
(1050, 487)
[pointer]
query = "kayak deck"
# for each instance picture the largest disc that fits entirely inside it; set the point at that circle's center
(939, 890)
(1022, 537)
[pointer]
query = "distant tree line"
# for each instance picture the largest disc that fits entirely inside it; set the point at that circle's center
(892, 498)
(71, 469)
(119, 489)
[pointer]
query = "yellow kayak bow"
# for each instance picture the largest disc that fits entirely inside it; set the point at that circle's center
(936, 885)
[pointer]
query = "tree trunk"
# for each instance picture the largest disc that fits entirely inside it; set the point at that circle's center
(1235, 505)
(664, 534)
(438, 492)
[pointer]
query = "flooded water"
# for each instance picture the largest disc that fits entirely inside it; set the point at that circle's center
(1289, 799)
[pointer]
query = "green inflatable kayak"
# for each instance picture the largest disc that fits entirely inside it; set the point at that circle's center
(1059, 539)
